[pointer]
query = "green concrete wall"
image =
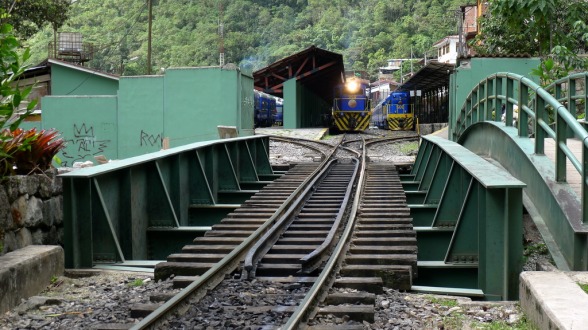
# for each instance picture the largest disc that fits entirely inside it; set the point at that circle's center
(292, 103)
(313, 109)
(140, 121)
(197, 100)
(303, 108)
(68, 81)
(87, 123)
(183, 106)
(471, 71)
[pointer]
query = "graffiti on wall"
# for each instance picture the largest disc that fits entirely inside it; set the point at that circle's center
(84, 144)
(150, 140)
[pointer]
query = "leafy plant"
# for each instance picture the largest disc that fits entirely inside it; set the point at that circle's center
(29, 16)
(11, 95)
(29, 151)
(11, 68)
(538, 248)
(584, 287)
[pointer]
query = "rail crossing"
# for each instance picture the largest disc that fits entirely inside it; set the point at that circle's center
(465, 197)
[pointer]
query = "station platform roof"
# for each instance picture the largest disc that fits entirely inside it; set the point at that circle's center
(431, 77)
(317, 69)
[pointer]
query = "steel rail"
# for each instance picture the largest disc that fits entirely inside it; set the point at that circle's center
(320, 288)
(392, 139)
(303, 142)
(264, 244)
(211, 278)
(314, 259)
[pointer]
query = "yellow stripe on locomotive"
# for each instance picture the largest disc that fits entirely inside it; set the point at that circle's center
(350, 121)
(400, 122)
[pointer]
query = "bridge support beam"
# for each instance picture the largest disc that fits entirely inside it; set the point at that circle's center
(468, 222)
(127, 210)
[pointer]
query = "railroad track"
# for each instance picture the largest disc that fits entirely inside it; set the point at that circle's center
(297, 238)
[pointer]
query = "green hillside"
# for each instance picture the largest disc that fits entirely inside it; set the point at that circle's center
(257, 33)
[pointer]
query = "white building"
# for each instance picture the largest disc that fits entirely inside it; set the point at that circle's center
(447, 49)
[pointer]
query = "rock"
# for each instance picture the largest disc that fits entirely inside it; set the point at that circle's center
(27, 211)
(10, 243)
(23, 238)
(6, 220)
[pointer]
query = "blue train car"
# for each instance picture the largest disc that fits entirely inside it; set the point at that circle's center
(351, 106)
(264, 109)
(398, 110)
(279, 115)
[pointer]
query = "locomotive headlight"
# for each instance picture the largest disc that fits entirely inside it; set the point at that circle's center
(352, 86)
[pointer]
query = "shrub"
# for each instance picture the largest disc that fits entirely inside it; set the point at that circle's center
(28, 151)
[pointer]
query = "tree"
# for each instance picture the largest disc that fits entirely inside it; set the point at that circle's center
(257, 33)
(28, 17)
(546, 28)
(11, 68)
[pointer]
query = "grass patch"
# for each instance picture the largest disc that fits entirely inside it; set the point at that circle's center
(584, 287)
(442, 301)
(522, 324)
(538, 248)
(137, 282)
(409, 147)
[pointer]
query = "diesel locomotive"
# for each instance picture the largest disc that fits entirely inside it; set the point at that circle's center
(399, 112)
(351, 110)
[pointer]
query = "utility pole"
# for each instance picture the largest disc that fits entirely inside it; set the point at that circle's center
(460, 51)
(221, 32)
(411, 72)
(150, 19)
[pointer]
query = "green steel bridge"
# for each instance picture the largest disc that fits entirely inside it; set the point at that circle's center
(466, 193)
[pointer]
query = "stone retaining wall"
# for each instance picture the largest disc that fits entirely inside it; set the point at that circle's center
(31, 211)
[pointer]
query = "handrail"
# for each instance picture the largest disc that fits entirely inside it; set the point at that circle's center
(535, 104)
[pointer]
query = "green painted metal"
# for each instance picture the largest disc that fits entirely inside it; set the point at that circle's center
(470, 71)
(562, 212)
(469, 224)
(134, 208)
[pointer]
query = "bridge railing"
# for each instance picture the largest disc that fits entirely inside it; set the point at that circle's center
(141, 209)
(539, 113)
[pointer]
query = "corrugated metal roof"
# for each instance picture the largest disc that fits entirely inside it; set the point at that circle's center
(432, 76)
(317, 69)
(525, 55)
